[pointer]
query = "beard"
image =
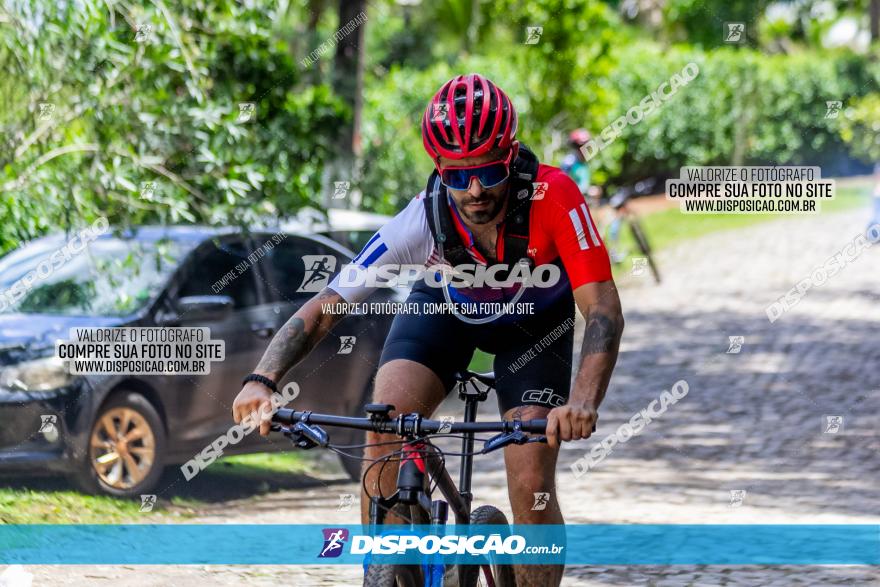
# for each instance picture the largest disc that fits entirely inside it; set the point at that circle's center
(486, 213)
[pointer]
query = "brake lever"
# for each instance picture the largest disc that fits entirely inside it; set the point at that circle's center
(306, 436)
(505, 439)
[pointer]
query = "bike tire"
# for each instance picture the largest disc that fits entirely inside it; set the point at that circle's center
(393, 576)
(503, 575)
(398, 575)
(644, 247)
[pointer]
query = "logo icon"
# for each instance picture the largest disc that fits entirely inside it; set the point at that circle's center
(832, 108)
(533, 34)
(543, 396)
(736, 343)
(737, 496)
(539, 190)
(318, 268)
(247, 111)
(346, 500)
(47, 423)
(147, 189)
(639, 265)
(16, 576)
(542, 498)
(832, 424)
(346, 345)
(440, 113)
(147, 502)
(446, 423)
(734, 32)
(142, 33)
(340, 189)
(334, 540)
(46, 110)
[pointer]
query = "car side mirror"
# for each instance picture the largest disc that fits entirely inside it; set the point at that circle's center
(204, 308)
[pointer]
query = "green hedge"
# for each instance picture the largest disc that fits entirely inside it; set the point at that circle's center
(744, 107)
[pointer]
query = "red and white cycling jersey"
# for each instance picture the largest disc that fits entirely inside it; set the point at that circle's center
(560, 228)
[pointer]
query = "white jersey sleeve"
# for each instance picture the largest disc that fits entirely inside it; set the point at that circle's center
(405, 240)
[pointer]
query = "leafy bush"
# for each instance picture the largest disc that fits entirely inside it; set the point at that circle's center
(743, 108)
(860, 128)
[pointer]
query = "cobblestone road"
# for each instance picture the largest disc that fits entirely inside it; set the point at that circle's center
(752, 420)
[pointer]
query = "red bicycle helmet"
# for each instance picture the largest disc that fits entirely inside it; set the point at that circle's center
(468, 117)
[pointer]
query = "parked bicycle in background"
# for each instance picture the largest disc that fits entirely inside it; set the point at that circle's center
(614, 212)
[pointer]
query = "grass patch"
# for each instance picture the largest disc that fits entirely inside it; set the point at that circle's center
(259, 464)
(34, 506)
(669, 227)
(481, 362)
(52, 501)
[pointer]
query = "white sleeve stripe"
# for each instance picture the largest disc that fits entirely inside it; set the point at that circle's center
(578, 228)
(593, 235)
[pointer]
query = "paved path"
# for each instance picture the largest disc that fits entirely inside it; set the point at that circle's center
(751, 421)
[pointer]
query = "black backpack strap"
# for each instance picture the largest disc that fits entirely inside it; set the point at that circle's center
(524, 171)
(437, 212)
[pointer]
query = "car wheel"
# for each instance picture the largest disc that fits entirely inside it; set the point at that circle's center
(126, 448)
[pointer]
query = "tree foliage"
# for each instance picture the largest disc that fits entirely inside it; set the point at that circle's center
(135, 113)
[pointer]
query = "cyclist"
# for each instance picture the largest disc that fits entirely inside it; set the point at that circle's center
(875, 221)
(578, 168)
(575, 164)
(491, 202)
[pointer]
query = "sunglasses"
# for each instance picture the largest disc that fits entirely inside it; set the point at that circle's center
(488, 174)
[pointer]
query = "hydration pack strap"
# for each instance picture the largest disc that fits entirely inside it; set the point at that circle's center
(524, 171)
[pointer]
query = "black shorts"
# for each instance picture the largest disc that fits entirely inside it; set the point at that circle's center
(533, 356)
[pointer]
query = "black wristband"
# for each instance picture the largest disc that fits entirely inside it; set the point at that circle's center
(261, 379)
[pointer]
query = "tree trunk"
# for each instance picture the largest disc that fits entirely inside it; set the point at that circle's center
(875, 20)
(348, 74)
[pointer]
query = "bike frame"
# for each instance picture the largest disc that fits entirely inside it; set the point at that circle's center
(416, 474)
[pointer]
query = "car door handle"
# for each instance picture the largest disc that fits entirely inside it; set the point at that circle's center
(262, 330)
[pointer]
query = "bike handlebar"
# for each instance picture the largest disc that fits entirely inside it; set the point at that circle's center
(407, 424)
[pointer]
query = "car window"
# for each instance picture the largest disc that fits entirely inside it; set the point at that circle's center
(353, 239)
(298, 267)
(106, 276)
(223, 269)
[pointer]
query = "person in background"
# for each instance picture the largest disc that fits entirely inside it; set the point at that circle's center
(577, 168)
(876, 219)
(575, 164)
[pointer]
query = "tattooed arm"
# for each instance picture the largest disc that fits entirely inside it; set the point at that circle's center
(291, 344)
(600, 306)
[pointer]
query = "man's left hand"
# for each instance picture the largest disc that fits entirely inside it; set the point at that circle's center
(570, 422)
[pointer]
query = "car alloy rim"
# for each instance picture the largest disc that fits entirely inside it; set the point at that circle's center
(122, 448)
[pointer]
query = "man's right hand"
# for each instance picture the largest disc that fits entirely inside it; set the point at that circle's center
(254, 398)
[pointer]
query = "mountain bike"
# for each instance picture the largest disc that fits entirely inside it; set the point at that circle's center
(624, 214)
(422, 471)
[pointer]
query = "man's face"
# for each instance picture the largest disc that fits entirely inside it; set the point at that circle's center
(478, 204)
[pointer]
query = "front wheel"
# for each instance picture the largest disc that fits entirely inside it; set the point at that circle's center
(399, 575)
(501, 575)
(393, 576)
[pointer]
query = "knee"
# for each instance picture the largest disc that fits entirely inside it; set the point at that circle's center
(531, 480)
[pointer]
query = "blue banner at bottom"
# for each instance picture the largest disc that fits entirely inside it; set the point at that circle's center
(573, 544)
